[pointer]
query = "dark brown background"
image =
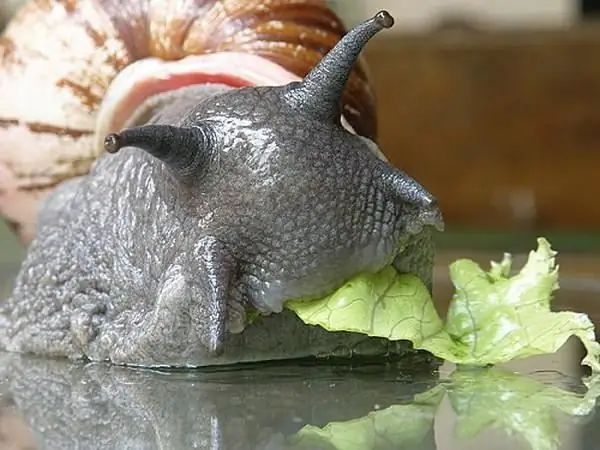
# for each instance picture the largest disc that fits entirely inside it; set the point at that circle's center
(503, 127)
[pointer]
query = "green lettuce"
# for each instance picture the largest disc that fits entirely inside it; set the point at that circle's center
(494, 317)
(481, 399)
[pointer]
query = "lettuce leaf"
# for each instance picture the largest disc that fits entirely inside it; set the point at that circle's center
(493, 317)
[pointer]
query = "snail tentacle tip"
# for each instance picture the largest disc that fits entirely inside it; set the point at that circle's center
(384, 19)
(112, 143)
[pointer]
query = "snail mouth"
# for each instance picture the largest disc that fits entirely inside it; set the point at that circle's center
(127, 100)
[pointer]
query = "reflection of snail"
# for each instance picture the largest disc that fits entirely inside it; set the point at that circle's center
(62, 74)
(97, 406)
(274, 407)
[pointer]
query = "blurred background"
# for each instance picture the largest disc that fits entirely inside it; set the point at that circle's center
(495, 107)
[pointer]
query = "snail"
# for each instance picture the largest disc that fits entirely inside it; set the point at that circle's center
(225, 203)
(72, 71)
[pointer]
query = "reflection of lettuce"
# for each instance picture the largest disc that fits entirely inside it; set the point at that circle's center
(518, 405)
(493, 317)
(481, 399)
(399, 426)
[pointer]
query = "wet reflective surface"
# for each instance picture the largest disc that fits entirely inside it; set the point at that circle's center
(58, 405)
(98, 406)
(537, 403)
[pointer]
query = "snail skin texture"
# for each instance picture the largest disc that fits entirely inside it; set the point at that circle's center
(227, 201)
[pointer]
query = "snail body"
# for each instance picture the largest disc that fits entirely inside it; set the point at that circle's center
(224, 203)
(72, 71)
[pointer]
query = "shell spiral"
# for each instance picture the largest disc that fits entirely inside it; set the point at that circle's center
(58, 58)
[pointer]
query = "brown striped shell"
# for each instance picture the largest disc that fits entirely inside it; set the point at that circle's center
(58, 58)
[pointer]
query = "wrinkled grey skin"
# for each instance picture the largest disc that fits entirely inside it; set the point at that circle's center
(228, 201)
(98, 406)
